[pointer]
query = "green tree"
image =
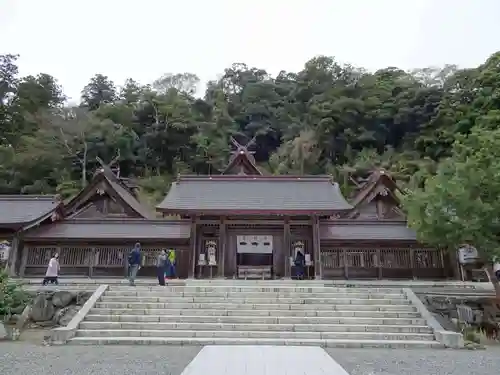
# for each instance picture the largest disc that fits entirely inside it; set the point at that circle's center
(100, 90)
(459, 204)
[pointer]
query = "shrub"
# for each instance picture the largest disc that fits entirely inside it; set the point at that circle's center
(12, 296)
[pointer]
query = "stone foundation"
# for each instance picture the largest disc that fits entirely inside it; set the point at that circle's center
(50, 309)
(445, 310)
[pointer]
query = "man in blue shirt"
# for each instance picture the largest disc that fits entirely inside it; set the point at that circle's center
(134, 263)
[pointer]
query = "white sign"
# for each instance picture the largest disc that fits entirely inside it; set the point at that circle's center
(255, 244)
(211, 257)
(467, 254)
(201, 260)
(4, 251)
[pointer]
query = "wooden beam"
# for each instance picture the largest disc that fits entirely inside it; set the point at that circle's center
(251, 221)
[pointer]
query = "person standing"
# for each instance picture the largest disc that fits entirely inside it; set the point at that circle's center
(171, 264)
(53, 269)
(300, 263)
(161, 265)
(134, 263)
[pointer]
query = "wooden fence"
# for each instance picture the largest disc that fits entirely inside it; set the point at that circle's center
(383, 263)
(96, 261)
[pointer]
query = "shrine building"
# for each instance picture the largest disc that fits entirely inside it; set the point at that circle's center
(239, 224)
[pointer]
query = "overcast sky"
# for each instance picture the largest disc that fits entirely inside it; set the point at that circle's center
(74, 39)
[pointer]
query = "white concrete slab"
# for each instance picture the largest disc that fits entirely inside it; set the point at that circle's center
(263, 360)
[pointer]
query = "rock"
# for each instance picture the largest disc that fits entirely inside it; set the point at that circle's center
(3, 332)
(14, 318)
(68, 314)
(62, 299)
(47, 323)
(58, 315)
(469, 345)
(83, 297)
(42, 309)
(18, 310)
(24, 317)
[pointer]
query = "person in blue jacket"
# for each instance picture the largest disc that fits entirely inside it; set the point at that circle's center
(134, 263)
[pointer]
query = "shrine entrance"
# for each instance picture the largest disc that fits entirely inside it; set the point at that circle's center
(254, 256)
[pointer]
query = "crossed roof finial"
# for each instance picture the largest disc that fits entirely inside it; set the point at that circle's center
(240, 148)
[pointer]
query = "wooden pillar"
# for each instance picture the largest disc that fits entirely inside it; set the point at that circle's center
(222, 246)
(92, 261)
(194, 247)
(346, 265)
(412, 262)
(441, 260)
(13, 255)
(287, 246)
(24, 261)
(454, 267)
(379, 264)
(316, 248)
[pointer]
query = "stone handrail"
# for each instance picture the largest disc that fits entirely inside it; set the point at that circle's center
(449, 339)
(61, 335)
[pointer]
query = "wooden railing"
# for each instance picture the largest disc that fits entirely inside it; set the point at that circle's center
(383, 263)
(94, 261)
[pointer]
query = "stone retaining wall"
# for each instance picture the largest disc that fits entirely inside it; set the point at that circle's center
(50, 309)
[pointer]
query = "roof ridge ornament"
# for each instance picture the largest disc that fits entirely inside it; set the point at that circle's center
(109, 166)
(243, 158)
(240, 149)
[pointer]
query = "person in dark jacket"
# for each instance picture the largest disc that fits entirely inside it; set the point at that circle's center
(300, 263)
(161, 266)
(134, 263)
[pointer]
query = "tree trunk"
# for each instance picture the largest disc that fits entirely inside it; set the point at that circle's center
(494, 280)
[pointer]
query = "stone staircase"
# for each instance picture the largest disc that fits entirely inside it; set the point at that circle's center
(245, 313)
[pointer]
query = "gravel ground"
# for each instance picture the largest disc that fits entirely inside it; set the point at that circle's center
(29, 359)
(418, 362)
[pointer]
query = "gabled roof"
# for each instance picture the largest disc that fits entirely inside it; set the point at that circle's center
(233, 194)
(18, 211)
(111, 229)
(116, 190)
(242, 160)
(377, 178)
(378, 184)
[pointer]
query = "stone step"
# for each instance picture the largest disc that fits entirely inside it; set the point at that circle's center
(247, 306)
(252, 289)
(252, 301)
(250, 319)
(198, 341)
(106, 325)
(279, 294)
(334, 311)
(254, 334)
(48, 288)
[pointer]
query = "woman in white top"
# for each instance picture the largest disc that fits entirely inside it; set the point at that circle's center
(52, 271)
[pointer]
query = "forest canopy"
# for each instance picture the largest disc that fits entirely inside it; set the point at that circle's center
(327, 118)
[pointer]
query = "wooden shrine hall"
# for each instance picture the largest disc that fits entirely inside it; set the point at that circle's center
(239, 224)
